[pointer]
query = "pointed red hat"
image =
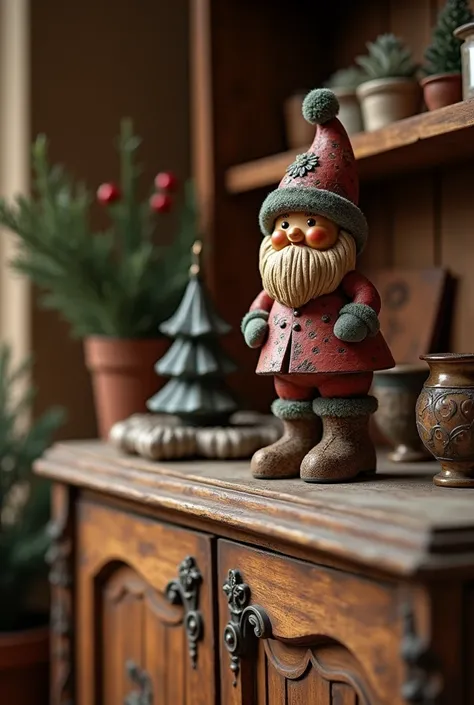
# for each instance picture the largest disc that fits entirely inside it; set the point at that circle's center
(324, 179)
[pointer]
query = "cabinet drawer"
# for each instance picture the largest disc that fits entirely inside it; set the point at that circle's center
(333, 637)
(139, 635)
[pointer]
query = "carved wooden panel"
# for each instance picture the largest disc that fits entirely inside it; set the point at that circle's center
(138, 603)
(293, 675)
(137, 623)
(326, 637)
(60, 558)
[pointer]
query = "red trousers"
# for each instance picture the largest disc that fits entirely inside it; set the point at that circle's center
(304, 387)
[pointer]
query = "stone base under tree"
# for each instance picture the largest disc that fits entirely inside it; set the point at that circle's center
(161, 437)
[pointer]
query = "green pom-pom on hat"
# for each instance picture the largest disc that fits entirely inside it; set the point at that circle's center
(320, 106)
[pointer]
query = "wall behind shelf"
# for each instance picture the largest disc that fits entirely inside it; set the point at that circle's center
(421, 219)
(255, 60)
(93, 63)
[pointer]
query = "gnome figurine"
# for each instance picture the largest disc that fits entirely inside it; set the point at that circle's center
(316, 320)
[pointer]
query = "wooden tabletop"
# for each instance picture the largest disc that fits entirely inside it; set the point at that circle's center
(397, 520)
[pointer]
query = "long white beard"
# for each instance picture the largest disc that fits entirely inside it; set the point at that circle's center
(297, 273)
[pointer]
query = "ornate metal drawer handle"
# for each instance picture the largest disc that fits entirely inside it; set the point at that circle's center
(246, 621)
(144, 694)
(185, 591)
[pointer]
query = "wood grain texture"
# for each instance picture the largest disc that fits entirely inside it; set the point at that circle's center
(468, 634)
(456, 249)
(342, 694)
(425, 140)
(357, 617)
(124, 566)
(398, 521)
(412, 21)
(236, 90)
(61, 558)
(414, 228)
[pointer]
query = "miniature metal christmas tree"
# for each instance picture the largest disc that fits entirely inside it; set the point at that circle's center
(444, 53)
(197, 365)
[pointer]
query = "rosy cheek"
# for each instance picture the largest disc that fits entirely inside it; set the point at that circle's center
(279, 240)
(317, 237)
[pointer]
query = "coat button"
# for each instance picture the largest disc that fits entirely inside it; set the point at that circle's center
(283, 324)
(296, 326)
(296, 313)
(325, 318)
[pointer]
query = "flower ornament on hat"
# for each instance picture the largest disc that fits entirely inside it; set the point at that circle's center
(324, 179)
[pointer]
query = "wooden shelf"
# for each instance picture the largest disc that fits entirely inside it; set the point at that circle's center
(430, 139)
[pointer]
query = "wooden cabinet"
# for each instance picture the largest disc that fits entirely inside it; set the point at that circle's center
(329, 634)
(132, 638)
(193, 583)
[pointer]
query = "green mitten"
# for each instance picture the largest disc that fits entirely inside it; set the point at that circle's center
(350, 328)
(255, 332)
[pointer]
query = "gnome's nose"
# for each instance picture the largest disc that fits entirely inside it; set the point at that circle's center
(295, 235)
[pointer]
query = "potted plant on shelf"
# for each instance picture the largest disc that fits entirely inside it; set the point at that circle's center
(390, 91)
(344, 84)
(116, 287)
(442, 84)
(24, 513)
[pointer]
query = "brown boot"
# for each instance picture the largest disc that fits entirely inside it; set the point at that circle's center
(302, 430)
(346, 449)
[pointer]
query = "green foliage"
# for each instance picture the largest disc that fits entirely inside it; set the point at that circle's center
(24, 498)
(348, 78)
(444, 53)
(388, 57)
(117, 283)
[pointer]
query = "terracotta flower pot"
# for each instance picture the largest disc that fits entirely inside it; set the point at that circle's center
(445, 417)
(349, 110)
(441, 90)
(123, 376)
(397, 390)
(385, 100)
(24, 667)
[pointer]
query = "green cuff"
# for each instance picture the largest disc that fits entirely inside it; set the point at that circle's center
(257, 313)
(342, 407)
(364, 313)
(292, 410)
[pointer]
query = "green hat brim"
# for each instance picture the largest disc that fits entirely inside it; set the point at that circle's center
(293, 199)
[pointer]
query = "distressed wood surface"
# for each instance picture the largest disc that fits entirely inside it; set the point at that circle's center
(432, 138)
(338, 640)
(397, 521)
(124, 564)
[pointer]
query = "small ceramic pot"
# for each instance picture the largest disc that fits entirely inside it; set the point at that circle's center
(441, 90)
(397, 391)
(445, 417)
(299, 133)
(349, 110)
(466, 34)
(385, 100)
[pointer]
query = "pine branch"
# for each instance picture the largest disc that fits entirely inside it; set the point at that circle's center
(114, 283)
(443, 55)
(24, 499)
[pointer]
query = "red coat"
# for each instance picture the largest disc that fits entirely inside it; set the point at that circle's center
(302, 341)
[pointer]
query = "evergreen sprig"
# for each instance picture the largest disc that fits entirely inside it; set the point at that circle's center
(116, 283)
(24, 498)
(444, 53)
(388, 57)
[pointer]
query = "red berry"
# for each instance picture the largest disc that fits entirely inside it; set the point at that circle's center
(166, 180)
(108, 193)
(161, 203)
